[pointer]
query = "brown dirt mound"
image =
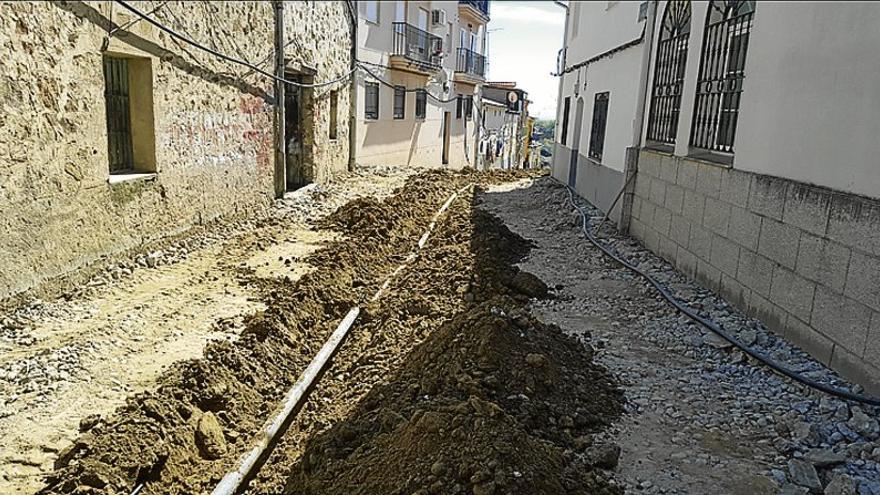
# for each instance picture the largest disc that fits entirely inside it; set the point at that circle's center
(492, 402)
(154, 436)
(184, 435)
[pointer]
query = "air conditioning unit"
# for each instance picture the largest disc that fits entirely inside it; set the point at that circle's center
(438, 17)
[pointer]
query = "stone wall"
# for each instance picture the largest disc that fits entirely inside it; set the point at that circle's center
(212, 124)
(803, 259)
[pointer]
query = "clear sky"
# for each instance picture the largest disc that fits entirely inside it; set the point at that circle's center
(524, 38)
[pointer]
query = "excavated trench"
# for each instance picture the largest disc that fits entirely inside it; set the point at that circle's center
(446, 384)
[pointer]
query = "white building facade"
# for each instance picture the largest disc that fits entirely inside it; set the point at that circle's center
(503, 113)
(752, 154)
(426, 63)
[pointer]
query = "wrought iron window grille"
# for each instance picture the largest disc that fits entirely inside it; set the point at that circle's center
(669, 70)
(371, 100)
(399, 102)
(118, 108)
(421, 103)
(722, 71)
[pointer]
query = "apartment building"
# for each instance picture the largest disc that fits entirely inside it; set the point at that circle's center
(754, 158)
(115, 135)
(503, 115)
(427, 63)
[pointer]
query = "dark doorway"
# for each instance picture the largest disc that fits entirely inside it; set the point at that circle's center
(447, 117)
(298, 125)
(576, 143)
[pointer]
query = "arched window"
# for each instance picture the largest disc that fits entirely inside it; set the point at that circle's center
(722, 70)
(669, 71)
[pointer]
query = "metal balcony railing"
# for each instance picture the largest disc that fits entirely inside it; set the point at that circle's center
(417, 45)
(481, 5)
(471, 62)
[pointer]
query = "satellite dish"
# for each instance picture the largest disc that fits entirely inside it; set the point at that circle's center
(442, 78)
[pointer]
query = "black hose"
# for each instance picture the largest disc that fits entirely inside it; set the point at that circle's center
(828, 389)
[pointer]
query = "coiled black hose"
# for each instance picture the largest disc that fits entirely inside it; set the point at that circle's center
(828, 389)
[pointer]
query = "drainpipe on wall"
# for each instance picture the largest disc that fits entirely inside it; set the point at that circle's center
(352, 109)
(631, 165)
(280, 145)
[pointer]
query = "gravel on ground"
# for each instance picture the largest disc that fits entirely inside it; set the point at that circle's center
(65, 361)
(702, 417)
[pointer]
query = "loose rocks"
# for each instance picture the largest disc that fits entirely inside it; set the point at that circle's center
(209, 437)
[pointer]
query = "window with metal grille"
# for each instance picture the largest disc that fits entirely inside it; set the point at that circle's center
(421, 103)
(334, 113)
(722, 70)
(399, 102)
(597, 132)
(371, 100)
(566, 108)
(118, 106)
(669, 72)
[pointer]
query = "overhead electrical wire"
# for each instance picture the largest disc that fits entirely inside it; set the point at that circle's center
(228, 58)
(714, 327)
(254, 68)
(363, 66)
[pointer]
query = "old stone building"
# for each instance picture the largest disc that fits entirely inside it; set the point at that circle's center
(115, 135)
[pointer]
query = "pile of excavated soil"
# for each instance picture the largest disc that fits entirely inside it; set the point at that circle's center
(493, 401)
(184, 435)
(448, 345)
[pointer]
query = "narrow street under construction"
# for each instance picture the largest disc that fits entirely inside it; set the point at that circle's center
(363, 247)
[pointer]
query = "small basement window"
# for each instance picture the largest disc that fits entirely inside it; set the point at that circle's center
(128, 96)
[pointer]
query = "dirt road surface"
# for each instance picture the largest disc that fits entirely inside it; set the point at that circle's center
(509, 356)
(65, 361)
(702, 418)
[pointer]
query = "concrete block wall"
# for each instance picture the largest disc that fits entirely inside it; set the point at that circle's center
(803, 259)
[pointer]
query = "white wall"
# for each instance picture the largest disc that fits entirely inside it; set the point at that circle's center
(600, 27)
(410, 141)
(811, 101)
(809, 108)
(600, 30)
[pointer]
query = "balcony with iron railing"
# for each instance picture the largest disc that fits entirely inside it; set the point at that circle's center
(470, 64)
(479, 7)
(415, 49)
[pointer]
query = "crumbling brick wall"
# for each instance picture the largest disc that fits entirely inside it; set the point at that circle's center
(212, 124)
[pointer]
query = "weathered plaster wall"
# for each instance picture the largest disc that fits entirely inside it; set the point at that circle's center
(410, 141)
(803, 259)
(212, 122)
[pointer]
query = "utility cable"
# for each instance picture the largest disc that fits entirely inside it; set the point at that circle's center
(134, 21)
(690, 313)
(228, 58)
(363, 66)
